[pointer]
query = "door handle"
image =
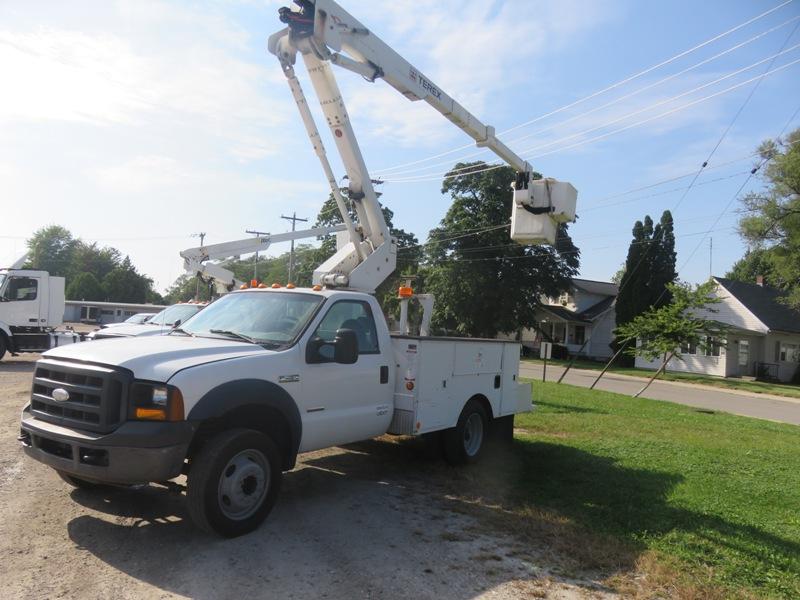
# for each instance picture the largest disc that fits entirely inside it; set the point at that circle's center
(33, 320)
(384, 374)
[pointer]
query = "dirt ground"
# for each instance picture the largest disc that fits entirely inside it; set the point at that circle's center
(375, 520)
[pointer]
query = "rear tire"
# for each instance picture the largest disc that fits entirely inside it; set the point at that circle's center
(81, 484)
(2, 345)
(233, 482)
(463, 443)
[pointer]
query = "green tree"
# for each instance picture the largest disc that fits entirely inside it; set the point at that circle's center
(649, 268)
(485, 283)
(85, 286)
(663, 332)
(755, 262)
(771, 218)
(125, 284)
(50, 249)
(89, 258)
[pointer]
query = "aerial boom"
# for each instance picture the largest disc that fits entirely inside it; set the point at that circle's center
(324, 34)
(196, 260)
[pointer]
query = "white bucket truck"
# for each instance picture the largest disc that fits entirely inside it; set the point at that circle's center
(232, 396)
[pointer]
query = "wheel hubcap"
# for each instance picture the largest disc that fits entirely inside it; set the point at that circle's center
(473, 434)
(243, 484)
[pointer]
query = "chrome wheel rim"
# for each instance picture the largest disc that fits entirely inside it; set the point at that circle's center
(243, 484)
(473, 434)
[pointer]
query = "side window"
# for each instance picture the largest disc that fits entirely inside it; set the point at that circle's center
(350, 314)
(22, 288)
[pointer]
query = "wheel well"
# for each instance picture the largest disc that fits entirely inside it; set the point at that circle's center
(484, 402)
(260, 418)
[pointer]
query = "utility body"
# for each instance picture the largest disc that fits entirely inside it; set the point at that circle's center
(231, 396)
(31, 307)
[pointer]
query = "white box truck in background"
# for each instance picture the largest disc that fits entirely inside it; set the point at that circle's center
(31, 307)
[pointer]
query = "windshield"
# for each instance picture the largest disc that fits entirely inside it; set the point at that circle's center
(264, 317)
(169, 315)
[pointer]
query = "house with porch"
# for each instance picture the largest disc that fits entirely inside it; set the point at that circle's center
(763, 340)
(580, 321)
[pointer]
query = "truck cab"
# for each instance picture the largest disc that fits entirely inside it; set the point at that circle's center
(31, 304)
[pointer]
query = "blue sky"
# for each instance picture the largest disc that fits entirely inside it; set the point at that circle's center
(137, 123)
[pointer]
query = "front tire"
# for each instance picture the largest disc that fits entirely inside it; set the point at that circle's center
(463, 443)
(233, 482)
(2, 345)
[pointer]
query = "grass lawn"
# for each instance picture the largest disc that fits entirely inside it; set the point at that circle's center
(711, 499)
(756, 387)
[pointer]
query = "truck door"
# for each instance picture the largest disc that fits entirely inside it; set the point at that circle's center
(21, 301)
(346, 403)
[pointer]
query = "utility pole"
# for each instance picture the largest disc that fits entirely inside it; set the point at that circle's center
(710, 257)
(202, 236)
(294, 218)
(255, 264)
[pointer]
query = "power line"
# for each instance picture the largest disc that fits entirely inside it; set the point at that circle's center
(608, 88)
(483, 151)
(451, 175)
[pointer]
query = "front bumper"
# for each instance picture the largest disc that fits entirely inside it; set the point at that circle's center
(136, 452)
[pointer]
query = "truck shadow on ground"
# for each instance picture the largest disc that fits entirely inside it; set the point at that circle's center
(442, 532)
(16, 365)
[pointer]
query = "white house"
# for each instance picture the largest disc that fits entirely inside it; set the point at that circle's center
(582, 319)
(764, 339)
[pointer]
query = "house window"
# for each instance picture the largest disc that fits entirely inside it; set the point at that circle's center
(789, 352)
(563, 299)
(712, 346)
(689, 348)
(580, 334)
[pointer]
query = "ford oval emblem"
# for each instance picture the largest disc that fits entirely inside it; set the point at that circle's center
(60, 395)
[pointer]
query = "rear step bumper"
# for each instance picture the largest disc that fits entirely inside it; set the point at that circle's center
(136, 452)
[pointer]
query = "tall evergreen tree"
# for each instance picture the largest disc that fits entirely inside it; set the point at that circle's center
(662, 266)
(649, 267)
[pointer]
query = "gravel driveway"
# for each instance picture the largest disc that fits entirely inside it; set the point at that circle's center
(375, 520)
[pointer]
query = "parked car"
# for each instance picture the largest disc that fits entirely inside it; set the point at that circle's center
(158, 324)
(136, 319)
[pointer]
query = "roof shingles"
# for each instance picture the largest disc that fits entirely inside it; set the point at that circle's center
(765, 303)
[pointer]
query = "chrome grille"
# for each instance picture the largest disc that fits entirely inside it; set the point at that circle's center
(96, 395)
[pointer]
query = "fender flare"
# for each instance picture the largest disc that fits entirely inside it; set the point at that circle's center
(251, 393)
(6, 329)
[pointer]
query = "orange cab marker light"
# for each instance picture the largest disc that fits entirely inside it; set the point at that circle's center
(244, 286)
(405, 292)
(409, 385)
(317, 288)
(152, 414)
(290, 286)
(254, 283)
(276, 285)
(262, 286)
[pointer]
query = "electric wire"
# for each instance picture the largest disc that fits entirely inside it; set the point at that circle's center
(606, 89)
(454, 174)
(483, 151)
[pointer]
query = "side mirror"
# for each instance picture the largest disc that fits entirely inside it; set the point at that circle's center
(176, 324)
(345, 347)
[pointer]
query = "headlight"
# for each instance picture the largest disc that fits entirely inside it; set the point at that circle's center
(156, 402)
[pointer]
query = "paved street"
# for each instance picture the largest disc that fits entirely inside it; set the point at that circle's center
(756, 405)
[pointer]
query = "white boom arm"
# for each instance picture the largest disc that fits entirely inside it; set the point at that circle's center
(324, 33)
(195, 259)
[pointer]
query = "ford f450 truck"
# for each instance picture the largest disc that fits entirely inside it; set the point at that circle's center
(260, 375)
